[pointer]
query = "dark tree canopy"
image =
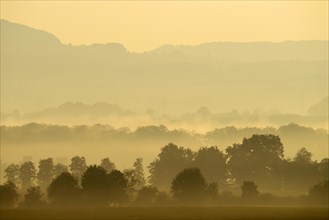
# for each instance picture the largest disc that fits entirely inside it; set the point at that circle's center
(212, 163)
(95, 185)
(301, 172)
(319, 193)
(249, 190)
(212, 190)
(33, 197)
(189, 185)
(258, 158)
(64, 190)
(171, 160)
(8, 195)
(324, 169)
(205, 176)
(147, 195)
(118, 187)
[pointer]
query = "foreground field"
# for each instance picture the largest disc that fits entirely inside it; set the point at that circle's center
(163, 213)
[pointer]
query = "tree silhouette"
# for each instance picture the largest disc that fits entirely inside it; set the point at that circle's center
(95, 185)
(212, 163)
(45, 173)
(212, 190)
(139, 173)
(249, 191)
(258, 158)
(132, 181)
(319, 193)
(8, 195)
(117, 187)
(33, 197)
(12, 173)
(107, 165)
(135, 176)
(59, 168)
(171, 160)
(64, 190)
(78, 166)
(301, 173)
(27, 174)
(147, 195)
(303, 156)
(323, 169)
(189, 185)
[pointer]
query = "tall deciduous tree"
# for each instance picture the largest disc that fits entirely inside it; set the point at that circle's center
(45, 173)
(95, 185)
(171, 160)
(27, 174)
(301, 172)
(12, 173)
(303, 156)
(107, 165)
(212, 163)
(118, 187)
(64, 190)
(139, 173)
(189, 186)
(258, 158)
(135, 176)
(78, 166)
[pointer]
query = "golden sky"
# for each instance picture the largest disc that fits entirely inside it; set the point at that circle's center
(141, 26)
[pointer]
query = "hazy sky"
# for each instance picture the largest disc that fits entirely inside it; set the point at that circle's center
(146, 25)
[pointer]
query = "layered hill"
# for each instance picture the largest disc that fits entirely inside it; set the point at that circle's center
(38, 71)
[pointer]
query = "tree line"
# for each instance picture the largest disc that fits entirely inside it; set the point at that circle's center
(178, 175)
(293, 135)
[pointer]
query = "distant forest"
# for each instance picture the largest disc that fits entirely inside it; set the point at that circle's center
(75, 113)
(293, 136)
(254, 172)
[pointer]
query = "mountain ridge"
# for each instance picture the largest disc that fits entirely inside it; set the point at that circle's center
(166, 48)
(180, 78)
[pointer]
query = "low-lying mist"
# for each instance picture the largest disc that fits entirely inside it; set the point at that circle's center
(124, 145)
(201, 120)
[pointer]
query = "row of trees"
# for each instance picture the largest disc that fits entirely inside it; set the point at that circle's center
(99, 188)
(257, 159)
(26, 175)
(293, 135)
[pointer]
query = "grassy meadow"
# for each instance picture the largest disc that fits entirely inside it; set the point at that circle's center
(162, 213)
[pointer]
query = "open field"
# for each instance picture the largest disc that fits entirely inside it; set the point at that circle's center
(163, 213)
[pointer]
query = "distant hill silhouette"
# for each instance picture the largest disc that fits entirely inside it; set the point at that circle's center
(38, 71)
(253, 51)
(77, 109)
(320, 108)
(201, 119)
(17, 36)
